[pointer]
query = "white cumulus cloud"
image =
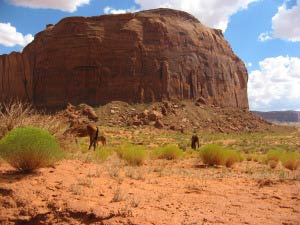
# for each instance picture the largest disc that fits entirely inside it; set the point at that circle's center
(213, 13)
(109, 10)
(9, 36)
(64, 5)
(285, 24)
(265, 36)
(276, 85)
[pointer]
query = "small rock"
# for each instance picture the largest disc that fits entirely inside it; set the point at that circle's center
(154, 115)
(201, 100)
(159, 124)
(172, 127)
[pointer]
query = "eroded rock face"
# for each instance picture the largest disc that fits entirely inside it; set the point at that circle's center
(136, 57)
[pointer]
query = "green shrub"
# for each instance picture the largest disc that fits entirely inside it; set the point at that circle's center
(274, 155)
(213, 154)
(232, 157)
(273, 163)
(29, 148)
(102, 154)
(133, 154)
(169, 152)
(290, 160)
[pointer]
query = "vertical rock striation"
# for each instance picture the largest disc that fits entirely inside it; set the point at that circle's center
(136, 57)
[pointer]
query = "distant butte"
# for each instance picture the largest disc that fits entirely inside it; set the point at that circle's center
(136, 57)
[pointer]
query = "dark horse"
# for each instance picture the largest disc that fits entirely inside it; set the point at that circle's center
(195, 142)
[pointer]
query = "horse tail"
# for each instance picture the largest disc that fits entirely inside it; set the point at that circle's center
(97, 134)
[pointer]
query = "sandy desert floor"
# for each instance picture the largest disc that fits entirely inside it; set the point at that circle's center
(159, 192)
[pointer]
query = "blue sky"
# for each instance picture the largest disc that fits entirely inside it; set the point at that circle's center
(265, 34)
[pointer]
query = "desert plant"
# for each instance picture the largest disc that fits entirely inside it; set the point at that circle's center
(18, 114)
(29, 148)
(232, 157)
(169, 152)
(133, 154)
(213, 154)
(290, 160)
(274, 155)
(102, 154)
(119, 196)
(13, 114)
(273, 163)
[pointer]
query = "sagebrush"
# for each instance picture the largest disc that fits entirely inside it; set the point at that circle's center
(19, 114)
(213, 154)
(169, 152)
(133, 154)
(29, 148)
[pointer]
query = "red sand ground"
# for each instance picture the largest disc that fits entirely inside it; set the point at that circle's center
(160, 192)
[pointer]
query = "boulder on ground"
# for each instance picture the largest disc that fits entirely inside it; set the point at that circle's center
(159, 124)
(154, 115)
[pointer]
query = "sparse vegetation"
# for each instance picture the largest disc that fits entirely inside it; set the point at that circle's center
(29, 148)
(273, 163)
(133, 154)
(102, 154)
(75, 189)
(213, 154)
(18, 114)
(290, 160)
(274, 155)
(119, 196)
(169, 152)
(134, 174)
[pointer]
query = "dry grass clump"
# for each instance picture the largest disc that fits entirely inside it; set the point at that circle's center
(118, 196)
(252, 157)
(13, 115)
(273, 163)
(29, 148)
(18, 114)
(213, 154)
(134, 155)
(169, 152)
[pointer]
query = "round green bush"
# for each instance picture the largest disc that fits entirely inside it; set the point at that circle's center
(213, 154)
(135, 155)
(169, 152)
(29, 148)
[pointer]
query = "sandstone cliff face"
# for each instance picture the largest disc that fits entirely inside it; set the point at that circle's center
(140, 57)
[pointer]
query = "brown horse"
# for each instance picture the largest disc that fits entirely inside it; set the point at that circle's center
(91, 131)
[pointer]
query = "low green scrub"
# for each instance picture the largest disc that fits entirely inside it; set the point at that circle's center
(135, 155)
(213, 154)
(253, 157)
(290, 160)
(29, 148)
(274, 155)
(169, 152)
(102, 154)
(191, 153)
